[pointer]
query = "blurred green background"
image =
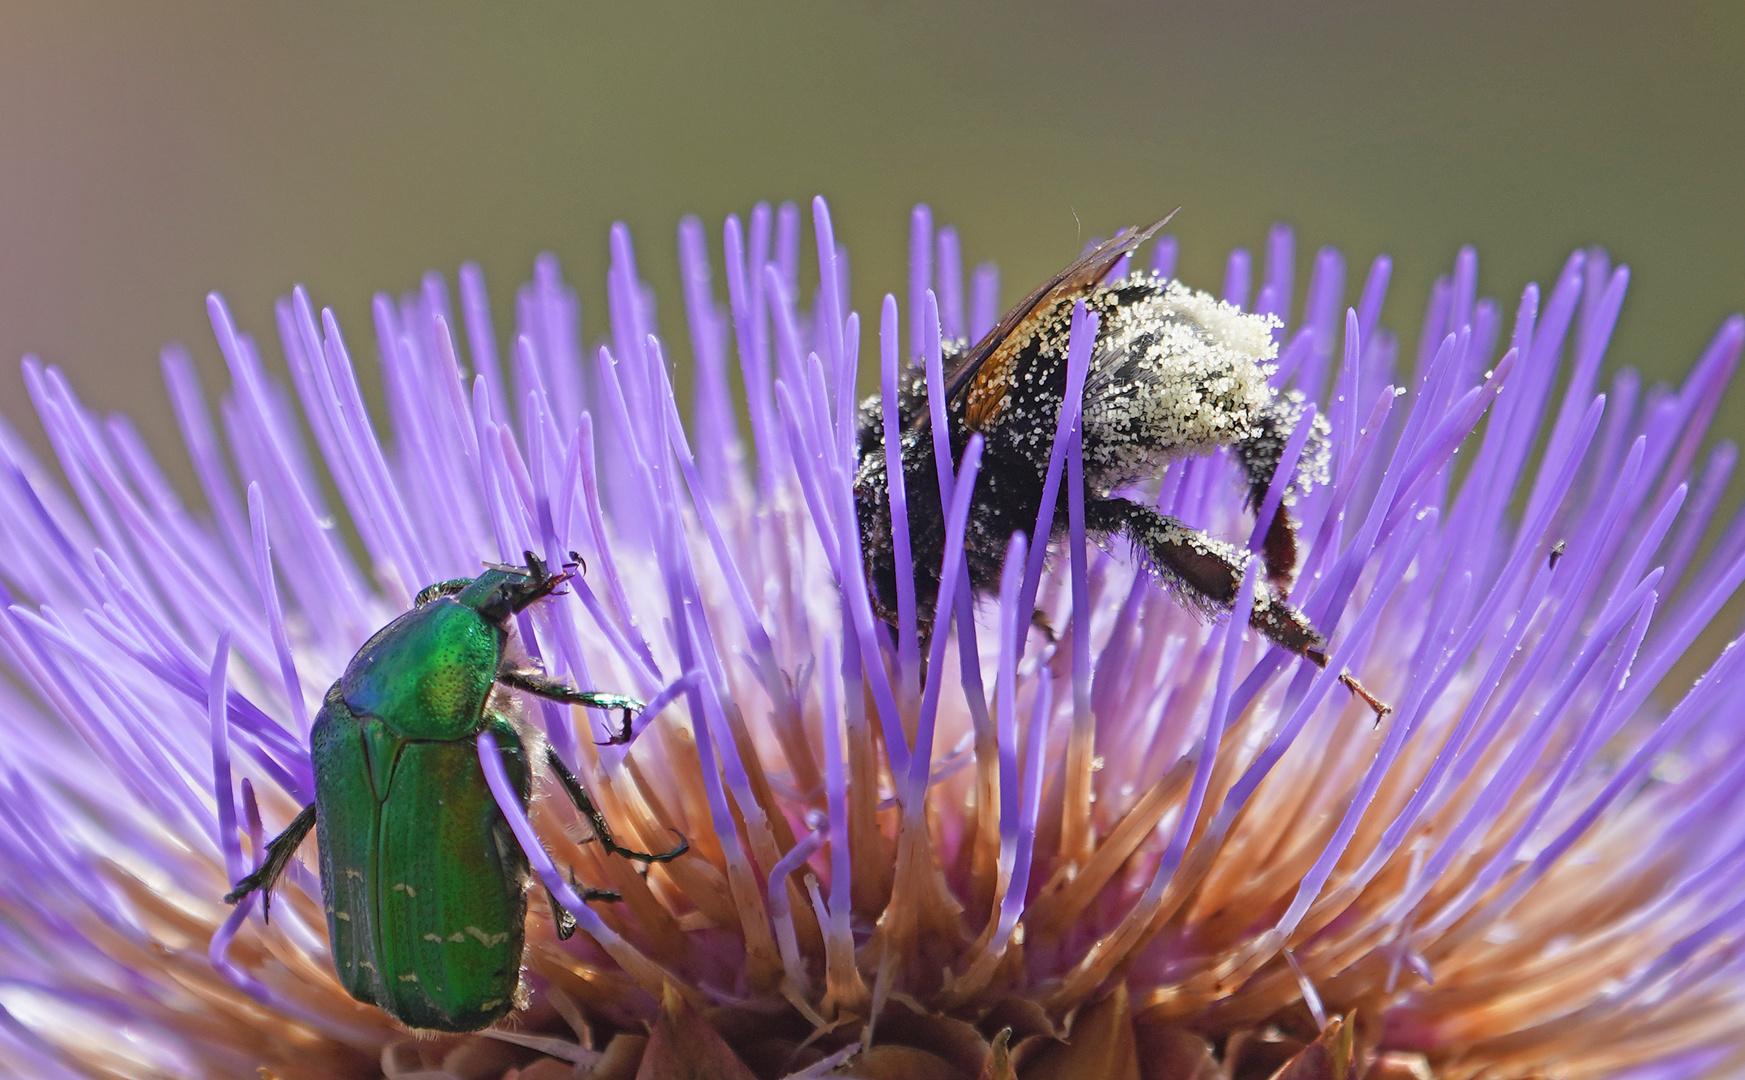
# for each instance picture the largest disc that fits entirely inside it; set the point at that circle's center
(151, 152)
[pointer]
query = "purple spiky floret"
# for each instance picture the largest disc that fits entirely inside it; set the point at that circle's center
(1534, 863)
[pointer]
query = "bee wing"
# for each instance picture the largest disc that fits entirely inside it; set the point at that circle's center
(980, 370)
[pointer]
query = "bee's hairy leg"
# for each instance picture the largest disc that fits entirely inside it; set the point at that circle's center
(1039, 619)
(1259, 456)
(1279, 551)
(1207, 572)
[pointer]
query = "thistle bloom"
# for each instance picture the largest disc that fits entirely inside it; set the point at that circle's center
(1146, 845)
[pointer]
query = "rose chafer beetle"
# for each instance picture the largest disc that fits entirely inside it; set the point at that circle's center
(424, 884)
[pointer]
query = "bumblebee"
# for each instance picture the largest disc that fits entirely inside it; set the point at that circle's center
(1173, 373)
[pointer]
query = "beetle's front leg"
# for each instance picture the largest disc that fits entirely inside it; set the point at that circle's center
(279, 852)
(602, 831)
(439, 590)
(552, 690)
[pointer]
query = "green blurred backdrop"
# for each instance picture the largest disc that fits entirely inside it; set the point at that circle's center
(151, 152)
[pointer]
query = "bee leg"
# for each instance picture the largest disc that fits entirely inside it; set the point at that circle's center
(1259, 456)
(1039, 619)
(1279, 551)
(279, 852)
(1207, 572)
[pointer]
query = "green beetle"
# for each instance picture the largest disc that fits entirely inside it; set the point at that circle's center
(423, 882)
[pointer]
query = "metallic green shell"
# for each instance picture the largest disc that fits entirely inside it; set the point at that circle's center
(427, 674)
(424, 883)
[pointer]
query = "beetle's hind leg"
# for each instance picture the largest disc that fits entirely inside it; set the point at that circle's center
(551, 689)
(561, 919)
(603, 831)
(279, 852)
(1208, 572)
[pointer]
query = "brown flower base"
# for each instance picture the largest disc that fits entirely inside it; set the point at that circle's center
(1105, 1040)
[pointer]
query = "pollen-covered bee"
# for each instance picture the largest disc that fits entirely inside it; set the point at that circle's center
(1172, 373)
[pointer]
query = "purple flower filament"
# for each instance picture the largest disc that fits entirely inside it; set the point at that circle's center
(1152, 799)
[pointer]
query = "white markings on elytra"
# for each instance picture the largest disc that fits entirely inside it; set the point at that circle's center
(487, 940)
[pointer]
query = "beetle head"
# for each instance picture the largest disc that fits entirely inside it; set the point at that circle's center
(502, 591)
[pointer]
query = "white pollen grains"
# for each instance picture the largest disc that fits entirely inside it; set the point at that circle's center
(1175, 373)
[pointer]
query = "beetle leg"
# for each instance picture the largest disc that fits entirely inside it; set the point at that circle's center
(535, 683)
(619, 738)
(533, 568)
(440, 589)
(564, 922)
(1207, 573)
(602, 831)
(279, 852)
